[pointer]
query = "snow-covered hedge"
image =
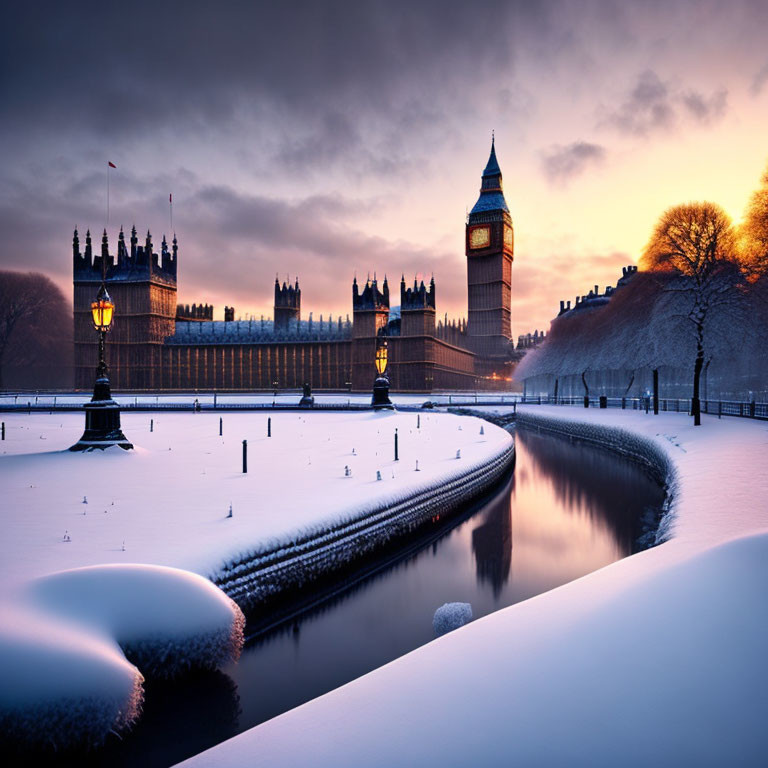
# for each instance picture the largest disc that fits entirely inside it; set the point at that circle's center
(622, 441)
(75, 647)
(259, 575)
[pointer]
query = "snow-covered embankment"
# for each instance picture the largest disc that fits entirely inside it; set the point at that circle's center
(658, 659)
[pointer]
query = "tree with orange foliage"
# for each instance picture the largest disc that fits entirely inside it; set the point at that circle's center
(695, 243)
(753, 232)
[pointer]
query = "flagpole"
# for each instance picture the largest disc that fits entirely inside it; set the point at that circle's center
(110, 164)
(170, 205)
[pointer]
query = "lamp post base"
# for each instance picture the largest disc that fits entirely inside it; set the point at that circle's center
(380, 400)
(307, 401)
(102, 422)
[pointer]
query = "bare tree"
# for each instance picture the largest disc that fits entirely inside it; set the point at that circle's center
(695, 243)
(35, 331)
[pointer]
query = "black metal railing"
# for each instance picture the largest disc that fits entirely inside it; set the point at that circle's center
(744, 408)
(24, 403)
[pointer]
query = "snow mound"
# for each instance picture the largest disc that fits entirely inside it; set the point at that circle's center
(59, 684)
(451, 616)
(165, 620)
(75, 647)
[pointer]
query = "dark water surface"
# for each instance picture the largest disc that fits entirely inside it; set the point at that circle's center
(567, 510)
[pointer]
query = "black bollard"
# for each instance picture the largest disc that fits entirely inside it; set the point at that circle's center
(418, 421)
(3, 430)
(221, 426)
(396, 456)
(151, 425)
(245, 456)
(269, 426)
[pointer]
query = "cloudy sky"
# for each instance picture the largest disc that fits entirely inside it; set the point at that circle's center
(326, 139)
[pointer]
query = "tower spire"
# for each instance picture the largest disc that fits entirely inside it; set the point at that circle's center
(492, 166)
(491, 200)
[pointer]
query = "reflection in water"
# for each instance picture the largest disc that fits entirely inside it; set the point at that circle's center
(570, 508)
(492, 541)
(585, 483)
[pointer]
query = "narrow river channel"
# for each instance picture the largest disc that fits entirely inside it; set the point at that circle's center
(568, 509)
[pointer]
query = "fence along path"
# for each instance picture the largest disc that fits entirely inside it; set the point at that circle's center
(26, 403)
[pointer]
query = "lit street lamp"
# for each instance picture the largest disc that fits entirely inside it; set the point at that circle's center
(380, 399)
(102, 414)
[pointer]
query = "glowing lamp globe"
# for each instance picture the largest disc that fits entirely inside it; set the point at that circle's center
(381, 360)
(102, 310)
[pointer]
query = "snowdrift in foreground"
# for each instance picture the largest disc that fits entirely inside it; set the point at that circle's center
(75, 647)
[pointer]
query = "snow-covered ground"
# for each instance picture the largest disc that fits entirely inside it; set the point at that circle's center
(168, 501)
(69, 634)
(658, 659)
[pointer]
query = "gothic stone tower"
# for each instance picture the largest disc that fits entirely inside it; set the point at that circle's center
(370, 314)
(287, 305)
(415, 349)
(490, 251)
(142, 285)
(417, 309)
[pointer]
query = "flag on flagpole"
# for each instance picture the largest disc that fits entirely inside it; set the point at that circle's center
(111, 164)
(170, 198)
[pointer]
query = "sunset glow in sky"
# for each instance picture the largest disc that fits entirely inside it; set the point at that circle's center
(328, 139)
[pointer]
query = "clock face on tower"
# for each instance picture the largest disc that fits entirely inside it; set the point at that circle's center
(509, 237)
(479, 237)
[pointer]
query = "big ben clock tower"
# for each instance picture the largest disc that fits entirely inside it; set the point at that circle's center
(490, 251)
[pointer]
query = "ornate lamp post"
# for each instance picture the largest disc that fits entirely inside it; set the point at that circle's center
(102, 414)
(380, 399)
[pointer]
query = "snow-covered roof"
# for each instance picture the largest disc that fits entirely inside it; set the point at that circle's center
(258, 331)
(490, 201)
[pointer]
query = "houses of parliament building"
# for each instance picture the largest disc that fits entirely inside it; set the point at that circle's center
(158, 344)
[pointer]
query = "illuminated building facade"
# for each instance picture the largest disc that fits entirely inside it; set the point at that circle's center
(159, 345)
